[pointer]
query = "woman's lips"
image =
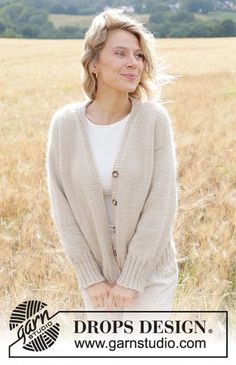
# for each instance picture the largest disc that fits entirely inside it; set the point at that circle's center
(129, 77)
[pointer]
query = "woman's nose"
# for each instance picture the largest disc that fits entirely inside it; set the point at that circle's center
(132, 60)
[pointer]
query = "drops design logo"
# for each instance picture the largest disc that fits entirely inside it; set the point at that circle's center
(34, 325)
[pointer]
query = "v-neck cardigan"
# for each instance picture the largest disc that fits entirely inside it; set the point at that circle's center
(144, 196)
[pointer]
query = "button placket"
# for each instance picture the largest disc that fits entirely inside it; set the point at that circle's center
(115, 174)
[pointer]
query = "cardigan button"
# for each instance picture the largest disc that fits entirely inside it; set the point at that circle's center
(114, 253)
(115, 173)
(114, 201)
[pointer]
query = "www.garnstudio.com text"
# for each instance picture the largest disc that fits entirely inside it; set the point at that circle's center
(162, 343)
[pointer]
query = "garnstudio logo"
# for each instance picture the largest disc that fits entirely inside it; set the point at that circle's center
(34, 325)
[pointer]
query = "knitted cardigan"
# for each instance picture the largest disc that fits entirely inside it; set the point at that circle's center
(144, 196)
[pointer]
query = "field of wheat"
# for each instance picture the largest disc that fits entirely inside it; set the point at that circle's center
(39, 76)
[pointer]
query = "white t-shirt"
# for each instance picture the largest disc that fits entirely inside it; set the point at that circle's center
(105, 142)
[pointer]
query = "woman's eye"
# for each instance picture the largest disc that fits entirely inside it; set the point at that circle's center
(120, 53)
(138, 55)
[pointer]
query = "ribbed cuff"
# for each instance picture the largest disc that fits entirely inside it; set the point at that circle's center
(134, 273)
(88, 271)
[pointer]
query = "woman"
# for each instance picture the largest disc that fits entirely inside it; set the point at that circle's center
(111, 173)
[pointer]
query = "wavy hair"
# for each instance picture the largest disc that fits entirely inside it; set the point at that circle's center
(152, 78)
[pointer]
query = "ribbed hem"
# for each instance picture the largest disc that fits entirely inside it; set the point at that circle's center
(88, 271)
(134, 273)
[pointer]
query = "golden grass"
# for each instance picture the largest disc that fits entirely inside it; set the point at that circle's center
(39, 76)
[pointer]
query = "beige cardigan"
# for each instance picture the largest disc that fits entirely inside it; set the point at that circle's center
(144, 196)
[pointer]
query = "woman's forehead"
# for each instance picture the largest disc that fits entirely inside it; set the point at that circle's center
(122, 38)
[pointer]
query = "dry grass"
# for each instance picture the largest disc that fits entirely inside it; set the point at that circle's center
(37, 77)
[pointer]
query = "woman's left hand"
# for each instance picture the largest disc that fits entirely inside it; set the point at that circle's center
(120, 297)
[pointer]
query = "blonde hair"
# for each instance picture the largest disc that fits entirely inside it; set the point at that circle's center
(152, 78)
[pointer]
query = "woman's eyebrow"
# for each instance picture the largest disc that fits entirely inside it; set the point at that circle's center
(138, 49)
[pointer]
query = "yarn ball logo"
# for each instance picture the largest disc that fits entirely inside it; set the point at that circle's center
(34, 325)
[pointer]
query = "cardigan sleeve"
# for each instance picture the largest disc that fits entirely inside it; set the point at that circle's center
(66, 225)
(158, 214)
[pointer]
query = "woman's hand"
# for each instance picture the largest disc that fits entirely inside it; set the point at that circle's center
(120, 296)
(99, 293)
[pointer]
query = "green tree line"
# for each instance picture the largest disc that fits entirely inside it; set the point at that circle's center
(172, 19)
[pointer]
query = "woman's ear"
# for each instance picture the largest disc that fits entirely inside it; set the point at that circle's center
(94, 64)
(94, 68)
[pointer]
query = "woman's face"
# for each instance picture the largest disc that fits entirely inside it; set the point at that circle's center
(120, 56)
